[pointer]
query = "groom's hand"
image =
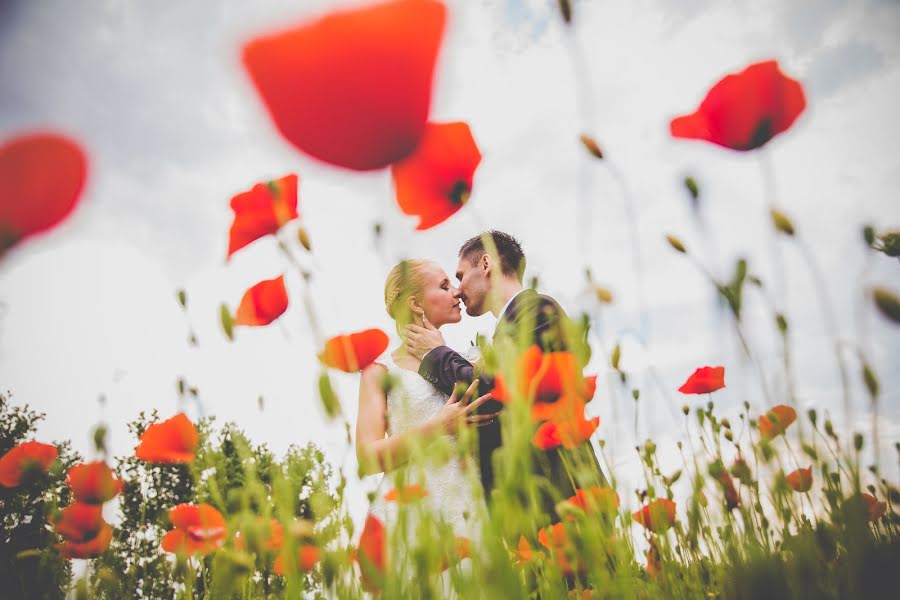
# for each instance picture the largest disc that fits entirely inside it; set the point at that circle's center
(420, 339)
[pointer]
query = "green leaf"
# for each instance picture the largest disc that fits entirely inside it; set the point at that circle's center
(330, 401)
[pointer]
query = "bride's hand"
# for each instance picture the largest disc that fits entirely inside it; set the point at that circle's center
(420, 339)
(459, 412)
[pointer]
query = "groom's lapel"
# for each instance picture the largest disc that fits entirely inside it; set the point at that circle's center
(511, 315)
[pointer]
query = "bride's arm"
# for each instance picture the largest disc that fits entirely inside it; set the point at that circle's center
(377, 453)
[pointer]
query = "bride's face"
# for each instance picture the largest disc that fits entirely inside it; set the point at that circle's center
(439, 298)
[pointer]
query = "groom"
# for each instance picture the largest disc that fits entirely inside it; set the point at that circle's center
(490, 279)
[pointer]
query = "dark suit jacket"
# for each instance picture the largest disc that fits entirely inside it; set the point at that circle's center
(531, 318)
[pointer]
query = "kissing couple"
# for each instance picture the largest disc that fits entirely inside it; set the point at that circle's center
(423, 390)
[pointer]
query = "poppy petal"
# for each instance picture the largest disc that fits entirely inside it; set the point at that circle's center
(657, 516)
(704, 380)
(93, 483)
(172, 441)
(79, 522)
(42, 176)
(355, 351)
(800, 480)
(262, 211)
(776, 421)
(352, 88)
(262, 303)
(91, 548)
(372, 556)
(25, 456)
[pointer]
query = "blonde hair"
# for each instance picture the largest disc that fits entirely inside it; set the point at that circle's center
(406, 279)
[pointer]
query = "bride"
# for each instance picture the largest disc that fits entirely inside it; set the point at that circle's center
(393, 426)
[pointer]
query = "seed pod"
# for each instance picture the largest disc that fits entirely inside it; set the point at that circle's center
(887, 303)
(591, 145)
(676, 244)
(693, 189)
(303, 238)
(781, 222)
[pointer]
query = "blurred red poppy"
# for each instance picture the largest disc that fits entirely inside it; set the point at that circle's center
(79, 522)
(595, 499)
(198, 528)
(262, 211)
(745, 110)
(93, 483)
(307, 558)
(42, 176)
(776, 421)
(435, 181)
(406, 494)
(569, 433)
(525, 554)
(657, 516)
(352, 88)
(355, 351)
(372, 556)
(704, 380)
(556, 540)
(732, 498)
(800, 480)
(874, 509)
(654, 563)
(91, 548)
(172, 441)
(25, 457)
(269, 533)
(262, 303)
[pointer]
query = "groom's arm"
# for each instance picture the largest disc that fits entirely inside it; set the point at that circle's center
(443, 367)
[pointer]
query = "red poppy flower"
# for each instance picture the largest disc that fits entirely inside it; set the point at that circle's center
(556, 540)
(352, 88)
(307, 558)
(24, 457)
(41, 179)
(800, 480)
(406, 494)
(462, 546)
(657, 516)
(199, 528)
(355, 351)
(91, 548)
(262, 211)
(654, 562)
(372, 556)
(874, 509)
(732, 498)
(271, 534)
(569, 433)
(525, 554)
(435, 181)
(552, 380)
(705, 380)
(262, 303)
(79, 522)
(172, 441)
(595, 499)
(93, 483)
(776, 421)
(745, 110)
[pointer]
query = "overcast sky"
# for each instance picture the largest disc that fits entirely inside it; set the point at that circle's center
(156, 93)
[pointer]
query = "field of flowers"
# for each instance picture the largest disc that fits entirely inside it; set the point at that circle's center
(778, 504)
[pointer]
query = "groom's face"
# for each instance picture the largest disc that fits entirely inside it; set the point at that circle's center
(474, 284)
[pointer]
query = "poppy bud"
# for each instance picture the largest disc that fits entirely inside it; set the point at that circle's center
(591, 146)
(781, 222)
(809, 451)
(726, 423)
(869, 234)
(871, 380)
(603, 294)
(782, 323)
(565, 9)
(676, 244)
(685, 409)
(858, 441)
(890, 243)
(813, 416)
(691, 184)
(303, 238)
(182, 298)
(330, 401)
(888, 304)
(829, 429)
(614, 358)
(729, 436)
(227, 321)
(100, 438)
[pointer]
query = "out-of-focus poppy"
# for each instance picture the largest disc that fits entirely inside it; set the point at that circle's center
(198, 529)
(23, 458)
(657, 516)
(654, 562)
(704, 380)
(745, 110)
(79, 522)
(372, 554)
(42, 176)
(436, 180)
(93, 483)
(776, 421)
(556, 540)
(355, 351)
(262, 303)
(800, 480)
(172, 441)
(406, 494)
(91, 548)
(552, 381)
(267, 535)
(352, 88)
(874, 509)
(307, 558)
(595, 499)
(732, 498)
(525, 553)
(462, 546)
(262, 210)
(569, 433)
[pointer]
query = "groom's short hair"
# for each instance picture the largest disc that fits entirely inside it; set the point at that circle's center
(512, 259)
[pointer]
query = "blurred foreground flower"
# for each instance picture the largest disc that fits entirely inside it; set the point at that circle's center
(42, 176)
(79, 522)
(704, 380)
(657, 516)
(354, 352)
(93, 483)
(874, 509)
(435, 181)
(172, 441)
(371, 555)
(262, 303)
(91, 548)
(569, 433)
(23, 458)
(776, 421)
(262, 211)
(595, 499)
(745, 110)
(199, 528)
(307, 558)
(352, 88)
(406, 494)
(800, 480)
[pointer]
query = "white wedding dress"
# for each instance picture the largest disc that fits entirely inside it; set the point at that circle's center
(453, 487)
